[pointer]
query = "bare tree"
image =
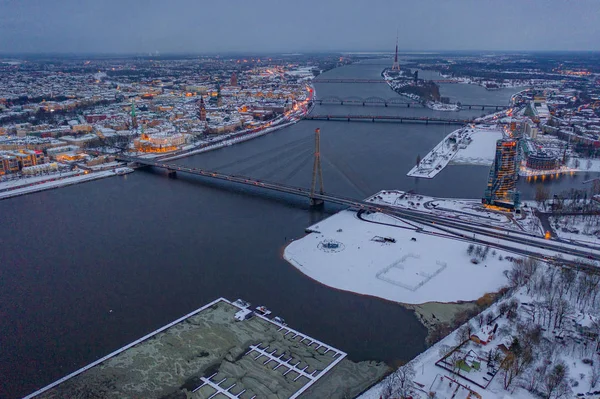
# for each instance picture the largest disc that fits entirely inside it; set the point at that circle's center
(517, 361)
(489, 317)
(541, 195)
(530, 379)
(555, 382)
(513, 305)
(508, 369)
(568, 278)
(463, 334)
(563, 309)
(595, 374)
(480, 319)
(388, 387)
(470, 249)
(404, 381)
(444, 350)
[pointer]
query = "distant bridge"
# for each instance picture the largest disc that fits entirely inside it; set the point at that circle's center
(349, 81)
(397, 101)
(484, 106)
(318, 80)
(389, 118)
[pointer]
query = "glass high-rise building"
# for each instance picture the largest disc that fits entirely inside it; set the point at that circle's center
(501, 188)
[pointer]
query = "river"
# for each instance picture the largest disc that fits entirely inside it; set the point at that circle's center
(89, 268)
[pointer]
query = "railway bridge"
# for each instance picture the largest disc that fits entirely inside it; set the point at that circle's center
(389, 119)
(397, 101)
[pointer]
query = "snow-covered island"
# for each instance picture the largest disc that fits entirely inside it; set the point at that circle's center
(439, 106)
(424, 92)
(380, 255)
(466, 146)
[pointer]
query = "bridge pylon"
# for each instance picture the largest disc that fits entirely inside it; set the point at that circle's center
(317, 170)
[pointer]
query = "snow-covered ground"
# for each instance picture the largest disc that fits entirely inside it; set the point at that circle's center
(482, 148)
(563, 333)
(465, 146)
(577, 227)
(468, 210)
(351, 254)
(385, 256)
(62, 182)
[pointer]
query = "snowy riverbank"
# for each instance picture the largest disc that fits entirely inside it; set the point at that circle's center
(42, 185)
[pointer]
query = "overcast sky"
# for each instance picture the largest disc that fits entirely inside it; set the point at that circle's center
(199, 26)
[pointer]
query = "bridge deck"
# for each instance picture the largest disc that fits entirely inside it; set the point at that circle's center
(511, 240)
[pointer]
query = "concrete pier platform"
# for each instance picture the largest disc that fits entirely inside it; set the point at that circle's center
(207, 354)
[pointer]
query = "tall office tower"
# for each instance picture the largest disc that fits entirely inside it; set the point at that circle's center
(502, 182)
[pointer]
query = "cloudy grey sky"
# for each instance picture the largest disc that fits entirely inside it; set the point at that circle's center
(123, 26)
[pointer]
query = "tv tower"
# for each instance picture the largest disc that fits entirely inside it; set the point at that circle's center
(395, 65)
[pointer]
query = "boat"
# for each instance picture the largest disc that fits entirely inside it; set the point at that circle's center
(243, 314)
(263, 310)
(279, 320)
(240, 303)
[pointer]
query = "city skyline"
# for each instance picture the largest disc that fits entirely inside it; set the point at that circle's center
(267, 26)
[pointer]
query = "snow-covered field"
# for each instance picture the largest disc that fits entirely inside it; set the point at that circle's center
(481, 150)
(348, 253)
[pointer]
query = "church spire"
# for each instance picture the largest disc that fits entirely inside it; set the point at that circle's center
(134, 123)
